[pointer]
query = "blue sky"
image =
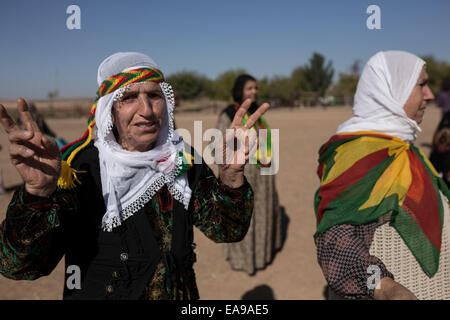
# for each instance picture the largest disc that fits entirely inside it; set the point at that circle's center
(267, 38)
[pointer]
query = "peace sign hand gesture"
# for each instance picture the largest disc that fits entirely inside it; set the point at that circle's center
(239, 143)
(35, 155)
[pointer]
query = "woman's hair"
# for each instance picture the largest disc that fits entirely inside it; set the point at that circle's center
(446, 84)
(238, 88)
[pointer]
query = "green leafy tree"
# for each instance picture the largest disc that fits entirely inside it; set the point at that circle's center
(282, 90)
(190, 84)
(315, 76)
(277, 91)
(299, 80)
(344, 90)
(223, 84)
(264, 89)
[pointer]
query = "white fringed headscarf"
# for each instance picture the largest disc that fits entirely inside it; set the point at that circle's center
(385, 85)
(131, 179)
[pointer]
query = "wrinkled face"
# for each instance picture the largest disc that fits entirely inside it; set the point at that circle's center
(250, 91)
(138, 116)
(417, 102)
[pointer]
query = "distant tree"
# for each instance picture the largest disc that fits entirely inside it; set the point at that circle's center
(315, 76)
(282, 90)
(299, 80)
(355, 68)
(264, 90)
(223, 84)
(306, 83)
(278, 91)
(345, 88)
(190, 84)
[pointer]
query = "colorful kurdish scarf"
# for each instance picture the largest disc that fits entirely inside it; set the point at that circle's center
(365, 175)
(263, 159)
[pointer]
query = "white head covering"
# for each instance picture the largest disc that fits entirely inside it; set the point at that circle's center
(130, 179)
(384, 87)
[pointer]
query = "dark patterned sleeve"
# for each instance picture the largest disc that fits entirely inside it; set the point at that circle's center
(343, 254)
(222, 213)
(31, 236)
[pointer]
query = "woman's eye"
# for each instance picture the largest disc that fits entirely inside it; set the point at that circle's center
(154, 95)
(129, 98)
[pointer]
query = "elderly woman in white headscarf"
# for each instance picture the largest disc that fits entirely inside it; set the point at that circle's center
(383, 228)
(121, 207)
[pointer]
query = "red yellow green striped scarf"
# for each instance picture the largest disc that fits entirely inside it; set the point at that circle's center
(263, 159)
(365, 175)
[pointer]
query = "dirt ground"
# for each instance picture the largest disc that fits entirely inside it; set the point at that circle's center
(294, 273)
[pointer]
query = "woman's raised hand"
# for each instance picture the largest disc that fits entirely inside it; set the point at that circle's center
(244, 141)
(35, 155)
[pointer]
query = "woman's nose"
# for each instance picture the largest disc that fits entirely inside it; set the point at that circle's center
(145, 105)
(428, 93)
